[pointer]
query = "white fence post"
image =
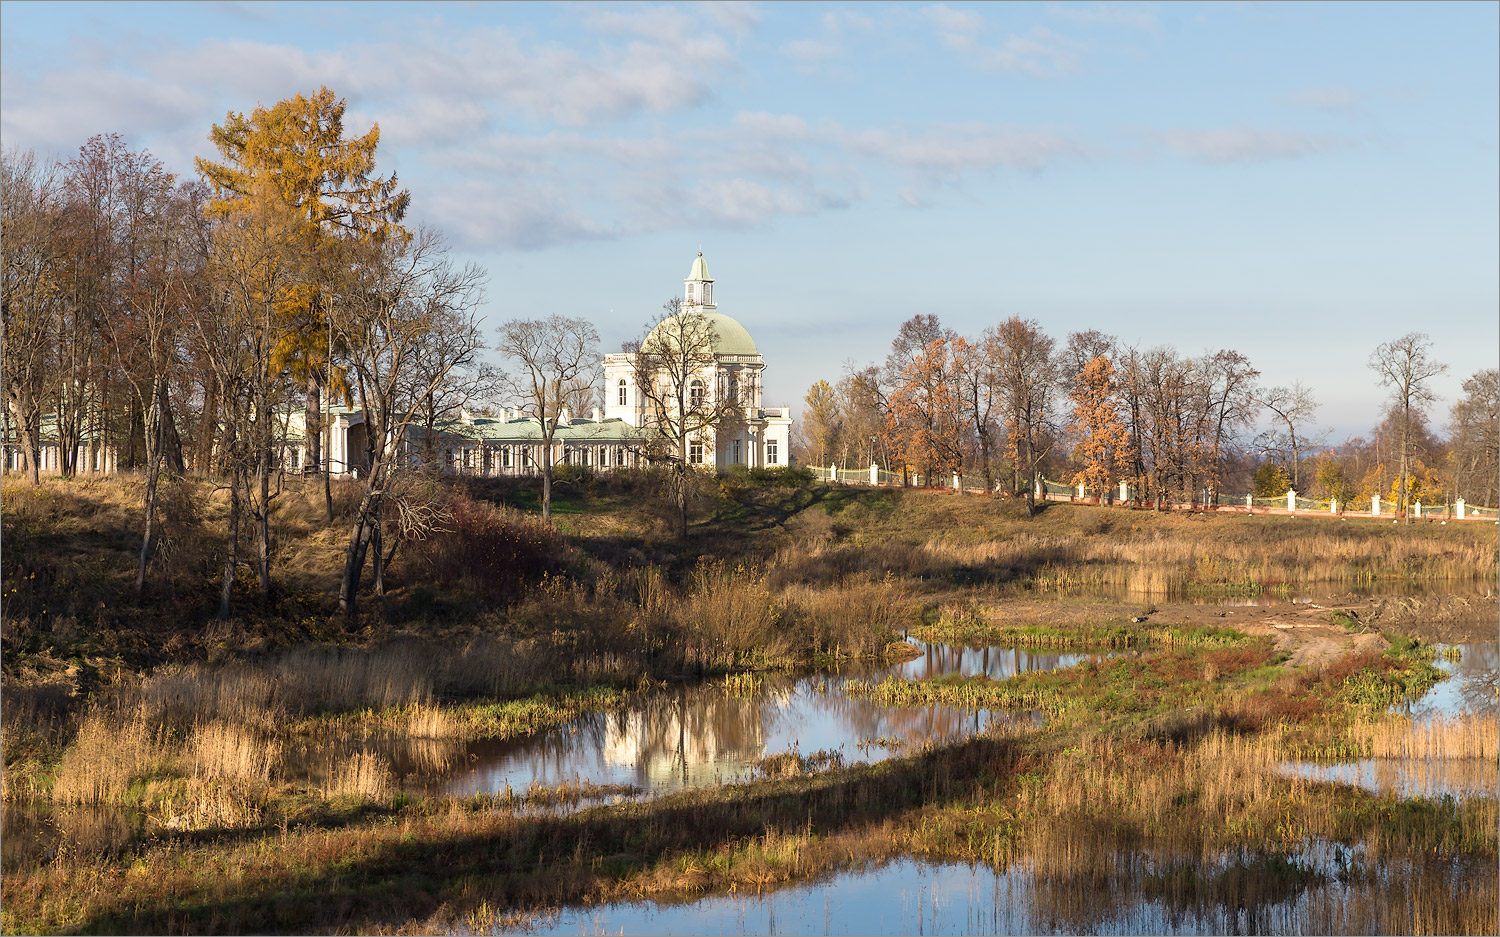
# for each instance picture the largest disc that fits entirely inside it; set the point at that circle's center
(1124, 492)
(1418, 506)
(1041, 489)
(1333, 505)
(874, 474)
(1249, 502)
(1460, 505)
(1375, 505)
(1080, 489)
(1291, 500)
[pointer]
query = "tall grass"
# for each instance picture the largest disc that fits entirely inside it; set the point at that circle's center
(1463, 736)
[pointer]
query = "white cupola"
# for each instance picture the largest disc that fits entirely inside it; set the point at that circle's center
(698, 290)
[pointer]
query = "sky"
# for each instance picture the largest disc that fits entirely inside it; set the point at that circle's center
(1297, 182)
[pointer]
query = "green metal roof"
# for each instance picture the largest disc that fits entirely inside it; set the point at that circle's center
(700, 269)
(529, 429)
(730, 338)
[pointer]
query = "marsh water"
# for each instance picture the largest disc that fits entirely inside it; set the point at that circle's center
(713, 733)
(1314, 892)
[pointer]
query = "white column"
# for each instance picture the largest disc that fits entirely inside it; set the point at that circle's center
(1249, 502)
(1418, 506)
(875, 475)
(1375, 504)
(1124, 492)
(1291, 500)
(1333, 505)
(1080, 489)
(833, 473)
(958, 482)
(1041, 489)
(1459, 504)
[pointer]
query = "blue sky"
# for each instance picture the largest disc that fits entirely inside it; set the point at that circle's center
(1297, 182)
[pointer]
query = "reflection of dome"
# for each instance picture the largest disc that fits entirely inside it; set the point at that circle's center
(730, 338)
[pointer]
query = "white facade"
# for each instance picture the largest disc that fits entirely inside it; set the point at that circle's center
(762, 436)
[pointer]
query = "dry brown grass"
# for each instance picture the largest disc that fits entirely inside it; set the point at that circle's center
(223, 751)
(1466, 736)
(107, 755)
(363, 776)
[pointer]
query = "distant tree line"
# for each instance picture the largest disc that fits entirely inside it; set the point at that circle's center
(1011, 405)
(178, 322)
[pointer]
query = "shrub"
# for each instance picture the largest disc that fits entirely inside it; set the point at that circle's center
(491, 550)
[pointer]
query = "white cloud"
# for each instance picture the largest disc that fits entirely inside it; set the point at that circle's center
(1246, 145)
(957, 26)
(1040, 52)
(947, 151)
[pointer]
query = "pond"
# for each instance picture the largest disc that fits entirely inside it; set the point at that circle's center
(713, 733)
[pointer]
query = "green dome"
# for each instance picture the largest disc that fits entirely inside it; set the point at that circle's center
(730, 338)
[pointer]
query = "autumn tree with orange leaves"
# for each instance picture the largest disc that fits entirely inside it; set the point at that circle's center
(923, 425)
(1105, 452)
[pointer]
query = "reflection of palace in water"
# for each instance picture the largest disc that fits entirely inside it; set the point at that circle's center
(700, 735)
(672, 735)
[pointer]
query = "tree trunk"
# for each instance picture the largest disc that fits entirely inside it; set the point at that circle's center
(354, 556)
(312, 421)
(377, 557)
(1406, 447)
(546, 481)
(682, 510)
(232, 542)
(153, 473)
(171, 441)
(263, 523)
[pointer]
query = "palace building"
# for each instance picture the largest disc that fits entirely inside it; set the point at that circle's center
(616, 436)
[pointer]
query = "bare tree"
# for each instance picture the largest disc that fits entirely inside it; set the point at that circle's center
(551, 356)
(146, 335)
(977, 374)
(254, 265)
(466, 381)
(29, 305)
(1405, 366)
(1027, 375)
(1294, 408)
(683, 407)
(1230, 383)
(862, 406)
(1474, 429)
(406, 289)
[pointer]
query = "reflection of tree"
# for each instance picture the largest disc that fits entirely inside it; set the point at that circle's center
(998, 663)
(1479, 671)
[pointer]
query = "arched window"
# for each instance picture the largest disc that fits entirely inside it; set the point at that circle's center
(695, 392)
(624, 393)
